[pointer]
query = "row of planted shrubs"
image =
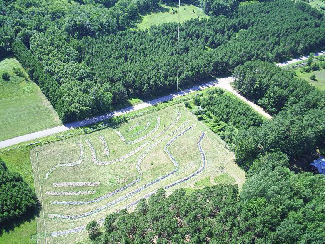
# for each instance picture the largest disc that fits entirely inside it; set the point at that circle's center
(224, 113)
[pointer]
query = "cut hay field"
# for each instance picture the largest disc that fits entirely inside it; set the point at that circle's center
(169, 14)
(23, 107)
(85, 177)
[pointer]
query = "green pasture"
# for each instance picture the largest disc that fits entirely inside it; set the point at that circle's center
(170, 14)
(143, 139)
(23, 107)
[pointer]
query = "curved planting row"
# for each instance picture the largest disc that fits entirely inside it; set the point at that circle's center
(128, 195)
(203, 159)
(81, 157)
(141, 131)
(106, 149)
(120, 159)
(110, 194)
(154, 130)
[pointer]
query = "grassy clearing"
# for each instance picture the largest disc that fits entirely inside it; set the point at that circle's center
(170, 14)
(23, 234)
(150, 132)
(320, 78)
(19, 161)
(23, 107)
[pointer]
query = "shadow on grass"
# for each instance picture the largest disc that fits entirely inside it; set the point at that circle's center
(30, 215)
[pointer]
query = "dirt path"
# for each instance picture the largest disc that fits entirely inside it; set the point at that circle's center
(224, 83)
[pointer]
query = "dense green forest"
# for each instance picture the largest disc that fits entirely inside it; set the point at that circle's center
(17, 200)
(88, 57)
(298, 128)
(274, 206)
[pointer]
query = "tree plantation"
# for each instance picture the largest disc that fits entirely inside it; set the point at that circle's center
(162, 121)
(87, 59)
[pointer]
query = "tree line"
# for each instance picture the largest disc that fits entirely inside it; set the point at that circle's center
(93, 59)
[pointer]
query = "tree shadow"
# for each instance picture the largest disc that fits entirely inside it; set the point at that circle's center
(4, 54)
(30, 215)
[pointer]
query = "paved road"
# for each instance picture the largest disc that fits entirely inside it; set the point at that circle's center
(222, 83)
(73, 125)
(298, 59)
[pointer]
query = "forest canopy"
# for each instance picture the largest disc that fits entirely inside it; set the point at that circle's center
(88, 57)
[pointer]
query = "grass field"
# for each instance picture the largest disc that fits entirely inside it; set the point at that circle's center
(88, 176)
(320, 78)
(170, 14)
(23, 107)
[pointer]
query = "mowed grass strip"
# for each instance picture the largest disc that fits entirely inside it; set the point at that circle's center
(23, 107)
(170, 14)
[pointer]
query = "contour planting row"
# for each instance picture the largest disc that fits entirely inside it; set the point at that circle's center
(139, 132)
(203, 159)
(110, 194)
(70, 193)
(74, 184)
(122, 198)
(81, 157)
(154, 130)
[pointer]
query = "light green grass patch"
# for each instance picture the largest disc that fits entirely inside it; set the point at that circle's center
(171, 14)
(18, 161)
(23, 107)
(318, 4)
(135, 101)
(205, 182)
(23, 234)
(224, 179)
(320, 78)
(154, 163)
